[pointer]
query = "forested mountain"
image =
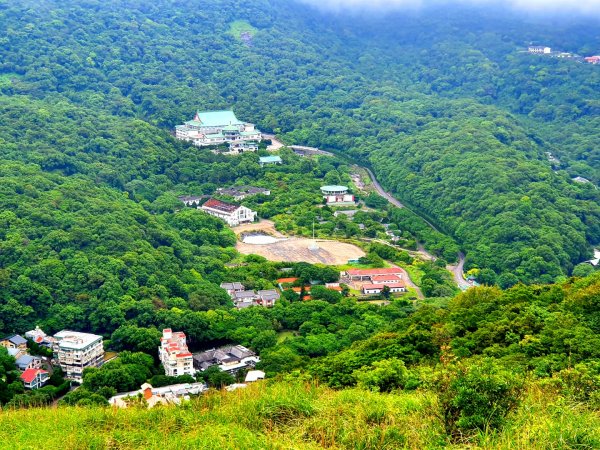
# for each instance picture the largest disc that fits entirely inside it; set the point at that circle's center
(445, 105)
(456, 123)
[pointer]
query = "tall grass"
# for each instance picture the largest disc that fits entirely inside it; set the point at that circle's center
(296, 415)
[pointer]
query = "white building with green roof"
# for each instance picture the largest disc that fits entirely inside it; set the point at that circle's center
(220, 127)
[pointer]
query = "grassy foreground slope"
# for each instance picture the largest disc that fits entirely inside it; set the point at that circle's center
(295, 415)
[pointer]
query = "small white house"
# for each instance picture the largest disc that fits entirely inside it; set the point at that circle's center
(370, 289)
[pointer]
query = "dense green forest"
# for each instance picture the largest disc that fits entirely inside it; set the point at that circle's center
(456, 124)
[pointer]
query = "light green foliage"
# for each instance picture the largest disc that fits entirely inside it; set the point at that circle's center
(241, 26)
(476, 396)
(382, 376)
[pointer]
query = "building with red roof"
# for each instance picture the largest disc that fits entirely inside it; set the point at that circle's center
(174, 354)
(368, 274)
(384, 279)
(232, 214)
(592, 59)
(34, 378)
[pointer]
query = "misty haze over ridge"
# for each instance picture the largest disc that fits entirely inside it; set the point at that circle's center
(586, 7)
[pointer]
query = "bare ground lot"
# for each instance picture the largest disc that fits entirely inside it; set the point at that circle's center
(296, 249)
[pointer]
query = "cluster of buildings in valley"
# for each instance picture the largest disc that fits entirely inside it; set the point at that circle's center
(243, 298)
(217, 128)
(177, 360)
(72, 351)
(543, 50)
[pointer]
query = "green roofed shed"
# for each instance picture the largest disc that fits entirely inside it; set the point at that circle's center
(269, 160)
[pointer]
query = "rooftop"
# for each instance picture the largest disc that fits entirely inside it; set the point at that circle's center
(25, 360)
(30, 374)
(270, 159)
(216, 118)
(235, 286)
(372, 272)
(16, 339)
(268, 294)
(254, 375)
(244, 294)
(75, 339)
(334, 188)
(391, 277)
(174, 344)
(220, 206)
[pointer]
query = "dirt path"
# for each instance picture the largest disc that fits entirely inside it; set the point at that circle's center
(275, 143)
(410, 282)
(264, 226)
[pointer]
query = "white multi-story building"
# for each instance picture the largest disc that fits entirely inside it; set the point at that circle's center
(74, 351)
(219, 127)
(174, 354)
(232, 214)
(539, 49)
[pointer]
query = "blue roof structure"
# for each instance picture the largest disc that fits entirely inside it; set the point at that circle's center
(15, 339)
(24, 361)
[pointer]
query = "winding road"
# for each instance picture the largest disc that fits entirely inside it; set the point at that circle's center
(456, 270)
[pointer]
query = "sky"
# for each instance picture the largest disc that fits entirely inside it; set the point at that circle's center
(587, 7)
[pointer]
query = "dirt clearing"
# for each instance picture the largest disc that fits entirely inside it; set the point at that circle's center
(296, 249)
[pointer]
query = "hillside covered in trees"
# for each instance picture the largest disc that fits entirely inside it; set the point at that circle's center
(457, 124)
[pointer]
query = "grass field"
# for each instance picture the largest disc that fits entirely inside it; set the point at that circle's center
(296, 415)
(241, 26)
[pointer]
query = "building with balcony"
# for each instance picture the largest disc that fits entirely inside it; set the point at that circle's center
(74, 351)
(174, 354)
(34, 378)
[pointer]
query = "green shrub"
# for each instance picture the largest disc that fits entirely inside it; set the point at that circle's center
(382, 376)
(476, 395)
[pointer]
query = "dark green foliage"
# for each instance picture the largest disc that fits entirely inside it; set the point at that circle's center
(215, 377)
(125, 373)
(385, 375)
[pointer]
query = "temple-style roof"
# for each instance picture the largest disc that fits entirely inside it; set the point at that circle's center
(217, 118)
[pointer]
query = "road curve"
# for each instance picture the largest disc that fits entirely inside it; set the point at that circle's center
(457, 272)
(390, 198)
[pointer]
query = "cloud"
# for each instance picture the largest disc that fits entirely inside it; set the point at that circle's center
(549, 6)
